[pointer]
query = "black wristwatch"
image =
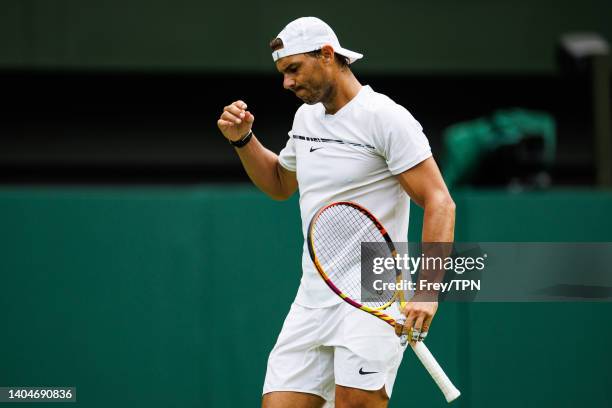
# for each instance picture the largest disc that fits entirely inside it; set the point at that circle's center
(246, 139)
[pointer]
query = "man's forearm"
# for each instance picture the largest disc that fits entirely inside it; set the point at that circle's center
(261, 166)
(437, 239)
(439, 220)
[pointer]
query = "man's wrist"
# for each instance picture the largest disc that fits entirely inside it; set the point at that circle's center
(242, 141)
(426, 295)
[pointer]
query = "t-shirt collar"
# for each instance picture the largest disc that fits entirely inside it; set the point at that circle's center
(363, 91)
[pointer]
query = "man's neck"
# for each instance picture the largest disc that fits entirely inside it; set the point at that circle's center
(345, 89)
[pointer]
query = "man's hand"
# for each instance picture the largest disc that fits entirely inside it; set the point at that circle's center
(419, 314)
(235, 121)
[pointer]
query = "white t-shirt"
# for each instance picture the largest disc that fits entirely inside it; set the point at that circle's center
(352, 155)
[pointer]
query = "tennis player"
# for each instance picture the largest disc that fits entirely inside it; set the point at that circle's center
(347, 142)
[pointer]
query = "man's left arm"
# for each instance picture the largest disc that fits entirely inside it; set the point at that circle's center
(425, 186)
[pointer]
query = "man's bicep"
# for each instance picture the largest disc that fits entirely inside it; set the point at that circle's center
(424, 182)
(288, 180)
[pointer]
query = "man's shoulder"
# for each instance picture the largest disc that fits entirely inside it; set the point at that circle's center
(387, 112)
(376, 102)
(378, 106)
(306, 109)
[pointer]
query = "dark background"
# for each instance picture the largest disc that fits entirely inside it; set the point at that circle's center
(161, 127)
(116, 92)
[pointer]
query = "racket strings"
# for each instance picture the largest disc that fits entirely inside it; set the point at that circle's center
(337, 237)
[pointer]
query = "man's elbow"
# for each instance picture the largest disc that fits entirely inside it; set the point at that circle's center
(449, 204)
(280, 195)
(442, 203)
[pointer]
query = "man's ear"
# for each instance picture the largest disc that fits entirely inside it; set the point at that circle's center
(327, 53)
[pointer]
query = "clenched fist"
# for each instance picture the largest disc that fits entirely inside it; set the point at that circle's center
(235, 121)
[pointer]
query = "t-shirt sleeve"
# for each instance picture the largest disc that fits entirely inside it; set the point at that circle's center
(286, 157)
(400, 139)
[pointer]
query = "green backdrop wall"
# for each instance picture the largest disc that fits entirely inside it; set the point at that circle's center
(396, 36)
(140, 297)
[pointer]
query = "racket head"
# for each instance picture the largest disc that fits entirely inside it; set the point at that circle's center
(334, 238)
(318, 246)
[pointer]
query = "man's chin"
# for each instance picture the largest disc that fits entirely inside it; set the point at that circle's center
(308, 101)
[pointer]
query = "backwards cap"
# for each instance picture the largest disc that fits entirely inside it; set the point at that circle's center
(310, 34)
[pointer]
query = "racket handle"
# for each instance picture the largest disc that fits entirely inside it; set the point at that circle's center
(450, 392)
(444, 383)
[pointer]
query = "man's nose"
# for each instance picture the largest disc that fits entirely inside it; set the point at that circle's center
(288, 83)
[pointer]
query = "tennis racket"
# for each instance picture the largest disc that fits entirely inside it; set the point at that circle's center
(335, 235)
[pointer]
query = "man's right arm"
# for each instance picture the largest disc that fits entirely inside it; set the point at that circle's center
(265, 171)
(261, 165)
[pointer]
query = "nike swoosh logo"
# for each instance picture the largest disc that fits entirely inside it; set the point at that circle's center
(366, 372)
(312, 149)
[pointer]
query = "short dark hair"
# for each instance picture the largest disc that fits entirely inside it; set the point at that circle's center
(341, 60)
(276, 44)
(344, 62)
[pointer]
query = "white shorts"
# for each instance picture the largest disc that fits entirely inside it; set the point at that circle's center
(319, 348)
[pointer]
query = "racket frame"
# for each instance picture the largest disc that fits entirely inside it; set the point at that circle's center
(376, 311)
(427, 359)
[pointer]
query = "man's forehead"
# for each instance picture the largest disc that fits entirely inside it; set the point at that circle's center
(284, 62)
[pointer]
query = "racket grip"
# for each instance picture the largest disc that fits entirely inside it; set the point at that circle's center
(444, 383)
(450, 392)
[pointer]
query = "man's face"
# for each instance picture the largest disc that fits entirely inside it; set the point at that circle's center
(306, 76)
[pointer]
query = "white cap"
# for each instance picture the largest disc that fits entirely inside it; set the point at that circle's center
(310, 34)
